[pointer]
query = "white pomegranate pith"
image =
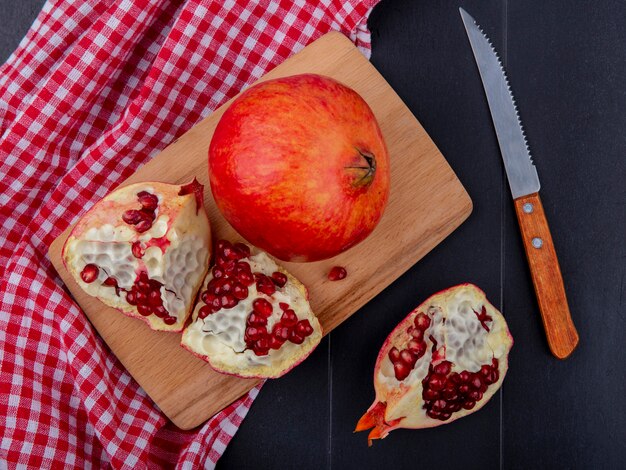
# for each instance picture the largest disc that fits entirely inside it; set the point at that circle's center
(143, 250)
(253, 318)
(442, 362)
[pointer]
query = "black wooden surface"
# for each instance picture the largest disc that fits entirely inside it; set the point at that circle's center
(567, 65)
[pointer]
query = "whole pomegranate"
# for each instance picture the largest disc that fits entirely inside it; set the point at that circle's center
(144, 250)
(253, 318)
(444, 361)
(299, 168)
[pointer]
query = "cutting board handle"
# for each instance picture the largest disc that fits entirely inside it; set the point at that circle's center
(546, 274)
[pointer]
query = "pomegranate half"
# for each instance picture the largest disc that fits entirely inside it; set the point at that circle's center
(144, 250)
(444, 361)
(253, 318)
(298, 166)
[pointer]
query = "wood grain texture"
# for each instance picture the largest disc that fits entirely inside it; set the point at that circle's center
(427, 202)
(546, 274)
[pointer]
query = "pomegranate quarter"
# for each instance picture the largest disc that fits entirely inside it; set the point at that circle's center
(298, 166)
(253, 318)
(444, 361)
(144, 250)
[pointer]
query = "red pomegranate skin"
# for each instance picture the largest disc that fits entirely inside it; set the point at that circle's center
(298, 166)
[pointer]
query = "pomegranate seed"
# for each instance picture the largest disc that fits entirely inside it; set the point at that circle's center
(169, 320)
(394, 355)
(218, 272)
(295, 337)
(230, 269)
(240, 291)
(464, 388)
(422, 321)
(475, 395)
(255, 332)
(265, 285)
(143, 226)
(225, 286)
(110, 281)
(141, 298)
(455, 407)
(154, 298)
(289, 318)
(485, 370)
(219, 246)
(204, 312)
(283, 306)
(304, 328)
(160, 311)
(408, 358)
(254, 319)
(493, 378)
(89, 273)
(280, 279)
(444, 416)
(401, 370)
(416, 333)
(430, 394)
(476, 382)
(242, 249)
(494, 363)
(147, 200)
(465, 376)
(275, 343)
(281, 332)
(450, 394)
(337, 273)
(262, 307)
(229, 252)
(468, 404)
(144, 309)
(436, 382)
(417, 347)
(132, 217)
(443, 368)
(137, 250)
(228, 301)
(245, 278)
(439, 405)
(131, 297)
(243, 267)
(454, 378)
(214, 302)
(433, 414)
(261, 346)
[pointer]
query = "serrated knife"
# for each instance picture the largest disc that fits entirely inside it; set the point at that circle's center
(524, 183)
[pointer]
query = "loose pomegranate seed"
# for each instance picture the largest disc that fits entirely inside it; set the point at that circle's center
(289, 318)
(254, 319)
(243, 249)
(169, 320)
(160, 311)
(295, 337)
(408, 358)
(337, 273)
(265, 285)
(154, 298)
(144, 309)
(280, 279)
(401, 370)
(110, 281)
(262, 307)
(204, 312)
(240, 291)
(132, 217)
(394, 355)
(443, 368)
(217, 272)
(131, 297)
(422, 322)
(304, 328)
(89, 273)
(228, 301)
(148, 201)
(283, 306)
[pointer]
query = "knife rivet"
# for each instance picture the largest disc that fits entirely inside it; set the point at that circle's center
(528, 207)
(537, 242)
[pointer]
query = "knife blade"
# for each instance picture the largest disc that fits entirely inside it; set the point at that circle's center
(524, 183)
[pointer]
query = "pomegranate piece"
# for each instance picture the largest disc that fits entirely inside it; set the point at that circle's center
(337, 273)
(118, 237)
(262, 324)
(444, 361)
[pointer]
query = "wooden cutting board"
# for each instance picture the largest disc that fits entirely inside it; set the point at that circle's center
(427, 203)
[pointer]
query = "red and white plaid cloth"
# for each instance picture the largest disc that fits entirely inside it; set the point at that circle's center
(94, 90)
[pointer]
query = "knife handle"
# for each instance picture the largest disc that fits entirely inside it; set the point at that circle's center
(546, 274)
